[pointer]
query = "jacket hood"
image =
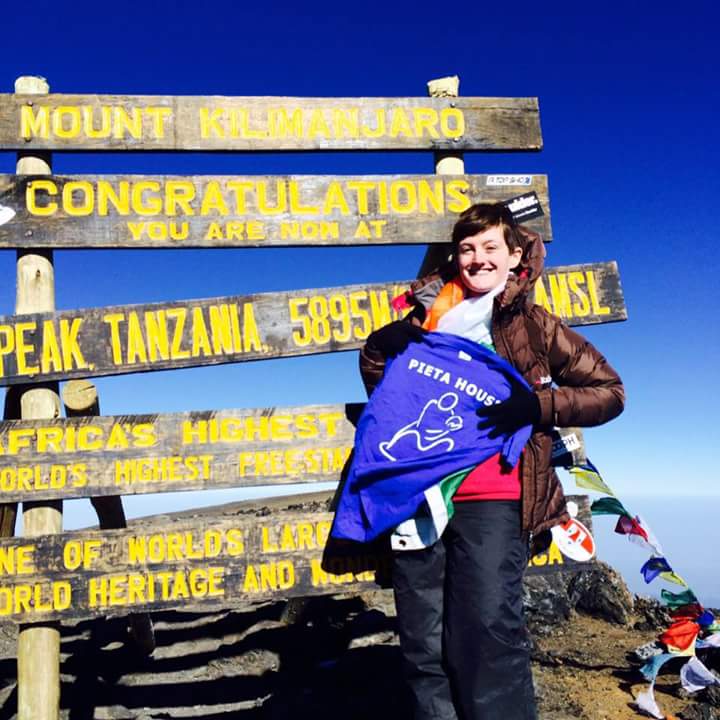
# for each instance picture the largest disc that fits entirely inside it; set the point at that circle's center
(519, 284)
(523, 278)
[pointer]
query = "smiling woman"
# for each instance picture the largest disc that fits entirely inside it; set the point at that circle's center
(484, 260)
(463, 541)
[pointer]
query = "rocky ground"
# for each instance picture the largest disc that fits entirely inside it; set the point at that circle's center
(337, 657)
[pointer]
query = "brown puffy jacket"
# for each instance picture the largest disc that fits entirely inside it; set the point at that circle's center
(541, 347)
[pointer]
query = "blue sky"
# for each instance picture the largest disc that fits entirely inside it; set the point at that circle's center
(629, 104)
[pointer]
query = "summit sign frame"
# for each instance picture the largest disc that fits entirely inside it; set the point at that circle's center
(127, 122)
(49, 575)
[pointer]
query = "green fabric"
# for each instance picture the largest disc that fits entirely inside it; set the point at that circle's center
(676, 600)
(449, 486)
(608, 506)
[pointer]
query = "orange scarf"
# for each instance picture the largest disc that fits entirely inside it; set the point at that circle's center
(452, 294)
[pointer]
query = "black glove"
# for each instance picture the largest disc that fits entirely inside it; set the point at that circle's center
(392, 339)
(520, 409)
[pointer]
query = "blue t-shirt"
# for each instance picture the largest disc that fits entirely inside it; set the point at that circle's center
(419, 426)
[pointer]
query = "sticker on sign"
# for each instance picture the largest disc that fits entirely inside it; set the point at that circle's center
(6, 214)
(566, 443)
(525, 207)
(509, 180)
(574, 540)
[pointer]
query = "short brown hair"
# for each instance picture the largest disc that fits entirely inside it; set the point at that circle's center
(478, 218)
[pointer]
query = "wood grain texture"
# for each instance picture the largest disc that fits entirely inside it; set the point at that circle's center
(9, 511)
(446, 163)
(81, 401)
(126, 122)
(213, 561)
(38, 647)
(113, 211)
(136, 454)
(191, 333)
(80, 398)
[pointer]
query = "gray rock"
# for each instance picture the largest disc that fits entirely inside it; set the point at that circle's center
(600, 591)
(699, 711)
(546, 602)
(711, 696)
(643, 653)
(381, 600)
(652, 614)
(380, 638)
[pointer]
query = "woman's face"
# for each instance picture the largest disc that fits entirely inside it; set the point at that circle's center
(484, 260)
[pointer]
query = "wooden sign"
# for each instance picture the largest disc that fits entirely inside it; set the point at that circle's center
(138, 211)
(134, 454)
(139, 338)
(209, 560)
(126, 122)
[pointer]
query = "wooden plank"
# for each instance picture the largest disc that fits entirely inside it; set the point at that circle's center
(191, 333)
(126, 122)
(585, 294)
(212, 561)
(110, 211)
(135, 454)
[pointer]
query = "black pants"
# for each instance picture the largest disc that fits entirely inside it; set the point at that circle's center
(462, 632)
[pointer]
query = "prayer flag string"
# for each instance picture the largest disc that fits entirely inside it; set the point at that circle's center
(693, 627)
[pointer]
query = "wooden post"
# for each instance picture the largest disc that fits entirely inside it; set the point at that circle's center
(446, 163)
(8, 516)
(38, 645)
(80, 398)
(8, 512)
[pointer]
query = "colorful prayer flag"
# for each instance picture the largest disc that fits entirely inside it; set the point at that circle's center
(608, 506)
(681, 634)
(630, 526)
(682, 637)
(587, 476)
(646, 702)
(695, 676)
(648, 540)
(712, 641)
(654, 567)
(687, 612)
(706, 619)
(672, 577)
(676, 600)
(651, 668)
